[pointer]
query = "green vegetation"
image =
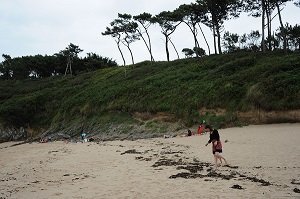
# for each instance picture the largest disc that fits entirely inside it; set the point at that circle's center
(64, 62)
(108, 98)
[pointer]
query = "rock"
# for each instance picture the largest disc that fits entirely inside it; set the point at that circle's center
(12, 134)
(236, 186)
(296, 190)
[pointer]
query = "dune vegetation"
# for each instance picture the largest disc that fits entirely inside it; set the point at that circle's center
(153, 98)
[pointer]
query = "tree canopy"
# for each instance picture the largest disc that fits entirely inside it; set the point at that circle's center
(39, 66)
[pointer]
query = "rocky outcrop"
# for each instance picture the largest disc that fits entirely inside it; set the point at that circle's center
(12, 134)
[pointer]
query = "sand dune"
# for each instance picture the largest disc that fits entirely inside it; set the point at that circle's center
(264, 163)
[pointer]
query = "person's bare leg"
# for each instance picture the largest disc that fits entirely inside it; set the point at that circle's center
(221, 157)
(221, 161)
(216, 161)
(224, 161)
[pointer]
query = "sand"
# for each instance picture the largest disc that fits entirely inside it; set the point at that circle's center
(264, 163)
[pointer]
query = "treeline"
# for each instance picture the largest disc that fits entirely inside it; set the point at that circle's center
(62, 63)
(127, 29)
(288, 40)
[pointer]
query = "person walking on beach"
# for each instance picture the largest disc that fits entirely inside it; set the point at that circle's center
(214, 138)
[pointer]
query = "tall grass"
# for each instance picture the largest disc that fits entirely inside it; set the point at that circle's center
(233, 82)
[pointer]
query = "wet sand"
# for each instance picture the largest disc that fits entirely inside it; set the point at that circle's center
(264, 162)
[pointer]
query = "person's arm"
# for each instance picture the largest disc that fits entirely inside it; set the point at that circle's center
(209, 141)
(213, 136)
(214, 142)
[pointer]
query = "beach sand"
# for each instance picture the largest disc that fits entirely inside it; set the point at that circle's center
(264, 163)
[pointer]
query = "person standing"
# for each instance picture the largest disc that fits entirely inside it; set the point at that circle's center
(201, 127)
(214, 138)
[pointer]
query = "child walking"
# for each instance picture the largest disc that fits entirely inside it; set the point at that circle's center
(214, 138)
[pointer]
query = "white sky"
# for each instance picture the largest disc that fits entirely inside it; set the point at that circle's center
(31, 27)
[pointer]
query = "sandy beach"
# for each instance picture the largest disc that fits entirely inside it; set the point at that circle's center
(264, 162)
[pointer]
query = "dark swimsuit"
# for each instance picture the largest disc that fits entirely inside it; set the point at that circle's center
(215, 137)
(217, 148)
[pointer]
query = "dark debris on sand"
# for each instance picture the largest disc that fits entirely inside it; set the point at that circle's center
(294, 181)
(198, 169)
(170, 152)
(195, 169)
(231, 167)
(197, 175)
(187, 175)
(296, 190)
(143, 158)
(168, 162)
(191, 168)
(131, 151)
(236, 186)
(219, 175)
(263, 182)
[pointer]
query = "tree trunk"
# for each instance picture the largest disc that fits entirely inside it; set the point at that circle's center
(204, 39)
(174, 47)
(215, 45)
(219, 40)
(195, 37)
(263, 46)
(148, 48)
(127, 44)
(149, 41)
(282, 28)
(71, 72)
(166, 46)
(69, 66)
(118, 44)
(194, 32)
(130, 53)
(268, 13)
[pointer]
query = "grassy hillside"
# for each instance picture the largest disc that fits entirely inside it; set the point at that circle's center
(182, 91)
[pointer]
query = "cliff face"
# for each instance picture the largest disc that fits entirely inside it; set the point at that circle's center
(258, 116)
(267, 117)
(146, 126)
(11, 133)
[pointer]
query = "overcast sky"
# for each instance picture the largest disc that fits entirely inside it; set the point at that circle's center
(31, 27)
